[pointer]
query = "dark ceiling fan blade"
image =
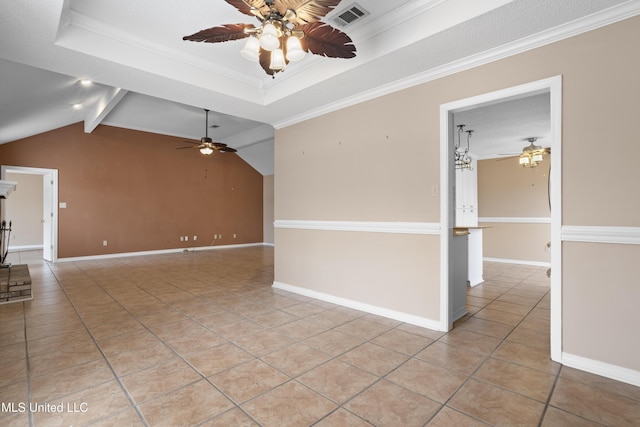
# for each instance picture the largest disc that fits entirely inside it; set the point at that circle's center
(227, 150)
(244, 6)
(224, 33)
(182, 148)
(307, 11)
(322, 39)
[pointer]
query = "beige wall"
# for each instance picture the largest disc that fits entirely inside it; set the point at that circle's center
(350, 263)
(510, 193)
(267, 214)
(24, 209)
(342, 166)
(601, 293)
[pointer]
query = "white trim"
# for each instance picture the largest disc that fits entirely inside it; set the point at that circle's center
(579, 26)
(156, 252)
(367, 308)
(553, 85)
(515, 220)
(446, 174)
(517, 261)
(25, 248)
(590, 234)
(362, 226)
(54, 202)
(603, 369)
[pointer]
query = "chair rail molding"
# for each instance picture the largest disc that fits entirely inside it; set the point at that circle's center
(515, 220)
(430, 228)
(599, 234)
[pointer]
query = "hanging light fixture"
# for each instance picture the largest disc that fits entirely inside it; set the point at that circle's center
(461, 156)
(276, 35)
(276, 41)
(532, 154)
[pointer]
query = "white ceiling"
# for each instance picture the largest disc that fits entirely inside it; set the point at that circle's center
(502, 129)
(147, 78)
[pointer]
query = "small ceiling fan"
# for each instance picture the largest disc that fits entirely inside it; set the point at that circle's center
(530, 156)
(207, 146)
(288, 30)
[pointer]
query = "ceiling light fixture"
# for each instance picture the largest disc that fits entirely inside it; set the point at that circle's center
(532, 154)
(288, 29)
(461, 156)
(86, 82)
(207, 146)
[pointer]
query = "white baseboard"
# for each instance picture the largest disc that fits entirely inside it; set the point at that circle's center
(157, 252)
(25, 248)
(367, 308)
(603, 369)
(518, 261)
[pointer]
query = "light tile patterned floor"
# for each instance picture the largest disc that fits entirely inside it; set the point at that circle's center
(201, 338)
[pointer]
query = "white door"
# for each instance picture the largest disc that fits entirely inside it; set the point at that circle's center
(48, 217)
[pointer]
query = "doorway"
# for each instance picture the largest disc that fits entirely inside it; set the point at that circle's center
(49, 206)
(553, 86)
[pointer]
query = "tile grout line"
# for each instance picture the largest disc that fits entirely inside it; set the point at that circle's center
(487, 357)
(26, 351)
(104, 357)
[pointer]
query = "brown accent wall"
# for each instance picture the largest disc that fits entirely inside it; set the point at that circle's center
(135, 190)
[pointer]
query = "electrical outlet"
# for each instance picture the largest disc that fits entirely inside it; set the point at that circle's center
(182, 238)
(186, 238)
(220, 236)
(104, 243)
(235, 235)
(195, 237)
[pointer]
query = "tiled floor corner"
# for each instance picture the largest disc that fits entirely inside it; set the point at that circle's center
(202, 339)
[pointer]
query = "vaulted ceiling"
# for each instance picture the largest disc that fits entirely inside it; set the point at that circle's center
(146, 77)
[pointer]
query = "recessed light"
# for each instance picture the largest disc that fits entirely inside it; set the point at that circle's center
(77, 106)
(86, 82)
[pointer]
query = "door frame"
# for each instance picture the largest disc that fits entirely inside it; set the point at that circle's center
(552, 85)
(53, 229)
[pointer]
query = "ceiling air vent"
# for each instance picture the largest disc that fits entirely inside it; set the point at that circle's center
(349, 15)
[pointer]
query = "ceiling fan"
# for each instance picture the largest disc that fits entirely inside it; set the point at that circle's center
(531, 155)
(288, 30)
(207, 146)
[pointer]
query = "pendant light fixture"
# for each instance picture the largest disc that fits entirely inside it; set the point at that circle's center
(461, 156)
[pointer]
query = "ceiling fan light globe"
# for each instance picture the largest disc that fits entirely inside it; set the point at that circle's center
(524, 161)
(207, 151)
(269, 38)
(251, 49)
(294, 49)
(537, 158)
(277, 60)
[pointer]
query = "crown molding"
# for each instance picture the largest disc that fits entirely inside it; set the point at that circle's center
(574, 28)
